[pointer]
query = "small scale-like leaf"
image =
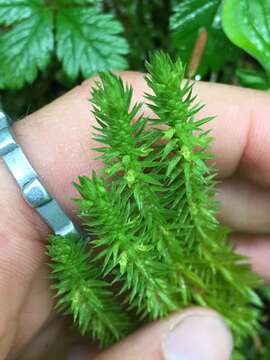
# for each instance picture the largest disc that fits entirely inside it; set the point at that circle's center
(247, 24)
(172, 164)
(88, 42)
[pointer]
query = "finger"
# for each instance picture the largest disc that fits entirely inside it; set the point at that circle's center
(20, 258)
(36, 313)
(175, 339)
(257, 249)
(80, 352)
(58, 340)
(244, 206)
(241, 130)
(61, 133)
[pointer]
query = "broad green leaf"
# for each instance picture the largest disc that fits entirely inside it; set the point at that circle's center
(253, 79)
(79, 2)
(15, 10)
(247, 24)
(89, 42)
(26, 48)
(190, 16)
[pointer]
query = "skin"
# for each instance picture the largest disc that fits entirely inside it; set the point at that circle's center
(57, 141)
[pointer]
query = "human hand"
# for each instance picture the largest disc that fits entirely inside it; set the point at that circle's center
(57, 142)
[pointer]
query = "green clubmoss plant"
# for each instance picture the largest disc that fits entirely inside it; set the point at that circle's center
(151, 217)
(82, 293)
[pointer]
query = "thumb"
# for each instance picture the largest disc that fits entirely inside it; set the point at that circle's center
(198, 336)
(195, 334)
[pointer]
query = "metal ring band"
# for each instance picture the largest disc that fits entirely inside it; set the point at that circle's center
(33, 191)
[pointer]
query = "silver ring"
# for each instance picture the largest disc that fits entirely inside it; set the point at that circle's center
(32, 189)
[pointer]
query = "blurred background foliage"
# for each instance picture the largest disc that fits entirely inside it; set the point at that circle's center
(47, 47)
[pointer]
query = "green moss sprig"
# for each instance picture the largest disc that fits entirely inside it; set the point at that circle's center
(82, 293)
(151, 213)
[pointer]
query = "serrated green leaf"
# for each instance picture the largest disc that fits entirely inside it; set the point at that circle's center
(89, 42)
(247, 24)
(190, 16)
(12, 11)
(26, 48)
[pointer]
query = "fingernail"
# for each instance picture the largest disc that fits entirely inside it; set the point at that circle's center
(198, 337)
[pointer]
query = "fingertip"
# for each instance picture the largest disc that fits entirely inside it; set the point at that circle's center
(194, 334)
(198, 336)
